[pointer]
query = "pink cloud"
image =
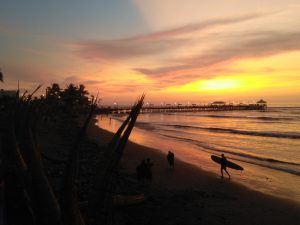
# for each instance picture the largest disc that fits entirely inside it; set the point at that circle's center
(153, 43)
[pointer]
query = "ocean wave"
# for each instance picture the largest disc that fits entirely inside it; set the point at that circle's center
(145, 125)
(241, 132)
(268, 118)
(250, 117)
(291, 171)
(243, 157)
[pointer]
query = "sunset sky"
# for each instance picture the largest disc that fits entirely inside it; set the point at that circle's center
(173, 50)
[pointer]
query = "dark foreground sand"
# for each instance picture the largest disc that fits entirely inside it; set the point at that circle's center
(189, 195)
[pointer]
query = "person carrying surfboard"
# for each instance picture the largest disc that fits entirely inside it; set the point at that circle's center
(223, 163)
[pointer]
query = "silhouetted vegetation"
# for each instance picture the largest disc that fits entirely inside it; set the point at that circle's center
(29, 195)
(73, 99)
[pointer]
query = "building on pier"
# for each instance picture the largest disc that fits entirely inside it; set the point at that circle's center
(218, 103)
(262, 103)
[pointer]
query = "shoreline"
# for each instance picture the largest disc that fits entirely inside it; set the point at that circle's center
(256, 176)
(209, 199)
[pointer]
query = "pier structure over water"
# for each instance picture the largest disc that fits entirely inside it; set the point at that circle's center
(215, 106)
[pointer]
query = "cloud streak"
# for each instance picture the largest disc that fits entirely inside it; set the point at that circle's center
(190, 28)
(267, 44)
(124, 49)
(153, 43)
(80, 80)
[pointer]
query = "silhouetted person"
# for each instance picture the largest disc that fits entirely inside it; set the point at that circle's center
(223, 162)
(170, 158)
(148, 170)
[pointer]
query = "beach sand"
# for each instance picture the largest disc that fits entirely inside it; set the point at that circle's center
(189, 195)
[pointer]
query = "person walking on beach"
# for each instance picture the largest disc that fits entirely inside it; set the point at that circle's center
(224, 165)
(170, 158)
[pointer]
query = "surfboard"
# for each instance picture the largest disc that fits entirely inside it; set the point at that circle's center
(229, 164)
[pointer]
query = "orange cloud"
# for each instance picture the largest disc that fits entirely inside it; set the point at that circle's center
(267, 44)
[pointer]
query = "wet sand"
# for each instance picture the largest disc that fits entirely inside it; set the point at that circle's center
(189, 195)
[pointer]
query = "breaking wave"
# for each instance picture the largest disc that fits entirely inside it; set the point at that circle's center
(241, 132)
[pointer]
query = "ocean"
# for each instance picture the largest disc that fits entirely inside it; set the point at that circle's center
(265, 143)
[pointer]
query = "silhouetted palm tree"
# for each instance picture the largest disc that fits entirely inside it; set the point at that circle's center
(75, 98)
(53, 92)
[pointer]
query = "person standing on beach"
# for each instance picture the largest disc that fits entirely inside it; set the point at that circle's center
(223, 162)
(170, 158)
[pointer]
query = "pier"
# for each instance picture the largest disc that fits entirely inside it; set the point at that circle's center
(183, 108)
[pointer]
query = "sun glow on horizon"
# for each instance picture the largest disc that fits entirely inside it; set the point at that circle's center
(220, 84)
(223, 84)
